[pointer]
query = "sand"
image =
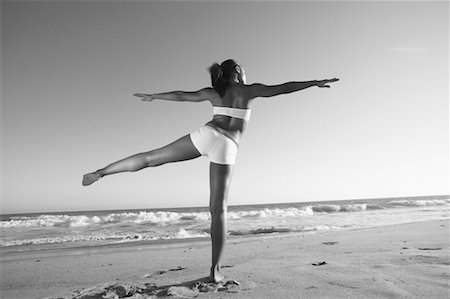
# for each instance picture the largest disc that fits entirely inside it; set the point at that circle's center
(401, 261)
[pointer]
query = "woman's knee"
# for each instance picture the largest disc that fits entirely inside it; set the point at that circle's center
(152, 158)
(218, 206)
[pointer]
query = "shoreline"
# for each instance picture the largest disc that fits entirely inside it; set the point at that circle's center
(168, 243)
(395, 261)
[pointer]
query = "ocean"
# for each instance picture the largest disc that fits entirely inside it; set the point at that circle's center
(41, 231)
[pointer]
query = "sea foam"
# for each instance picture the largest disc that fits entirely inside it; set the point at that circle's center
(104, 227)
(143, 217)
(420, 202)
(167, 217)
(125, 237)
(83, 220)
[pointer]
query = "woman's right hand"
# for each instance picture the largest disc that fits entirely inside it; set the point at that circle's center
(324, 83)
(145, 97)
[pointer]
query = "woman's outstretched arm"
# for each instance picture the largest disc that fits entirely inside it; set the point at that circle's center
(261, 90)
(204, 94)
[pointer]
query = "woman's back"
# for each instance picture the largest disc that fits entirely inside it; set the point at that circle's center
(234, 98)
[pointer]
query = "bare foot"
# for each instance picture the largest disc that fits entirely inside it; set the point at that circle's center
(215, 275)
(90, 178)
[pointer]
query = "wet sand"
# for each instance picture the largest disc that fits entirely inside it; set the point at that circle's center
(400, 261)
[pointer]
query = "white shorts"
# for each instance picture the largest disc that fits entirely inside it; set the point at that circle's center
(216, 146)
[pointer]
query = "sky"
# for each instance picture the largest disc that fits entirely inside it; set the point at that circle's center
(69, 69)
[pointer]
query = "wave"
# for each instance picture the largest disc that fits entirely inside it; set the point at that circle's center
(330, 208)
(97, 238)
(114, 218)
(420, 202)
(259, 231)
(159, 217)
(167, 217)
(272, 213)
(181, 234)
(271, 230)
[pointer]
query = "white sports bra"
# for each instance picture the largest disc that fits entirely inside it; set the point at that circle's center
(233, 112)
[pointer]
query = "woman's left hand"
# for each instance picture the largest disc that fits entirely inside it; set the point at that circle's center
(323, 83)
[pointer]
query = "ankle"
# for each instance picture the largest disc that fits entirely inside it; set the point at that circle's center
(215, 268)
(215, 275)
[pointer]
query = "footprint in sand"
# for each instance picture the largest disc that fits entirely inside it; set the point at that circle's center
(319, 263)
(160, 272)
(227, 266)
(330, 243)
(427, 248)
(178, 269)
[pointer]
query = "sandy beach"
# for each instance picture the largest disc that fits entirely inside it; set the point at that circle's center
(399, 261)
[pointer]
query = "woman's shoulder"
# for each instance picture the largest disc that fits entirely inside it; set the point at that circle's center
(209, 90)
(211, 94)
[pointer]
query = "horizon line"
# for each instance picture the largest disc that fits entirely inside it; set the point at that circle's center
(444, 196)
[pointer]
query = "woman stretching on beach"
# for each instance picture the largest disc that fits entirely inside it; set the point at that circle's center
(218, 139)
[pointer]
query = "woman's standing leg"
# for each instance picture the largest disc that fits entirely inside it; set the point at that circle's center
(180, 150)
(220, 179)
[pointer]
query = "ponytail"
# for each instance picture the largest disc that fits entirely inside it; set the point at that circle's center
(221, 75)
(216, 73)
(217, 78)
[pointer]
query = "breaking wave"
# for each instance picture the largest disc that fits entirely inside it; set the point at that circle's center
(420, 202)
(181, 234)
(271, 230)
(164, 217)
(167, 217)
(115, 218)
(105, 227)
(330, 208)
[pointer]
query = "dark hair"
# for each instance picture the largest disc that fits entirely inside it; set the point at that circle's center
(222, 75)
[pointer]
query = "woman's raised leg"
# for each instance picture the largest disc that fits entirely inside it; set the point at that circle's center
(180, 150)
(220, 179)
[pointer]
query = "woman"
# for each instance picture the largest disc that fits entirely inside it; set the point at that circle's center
(218, 139)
